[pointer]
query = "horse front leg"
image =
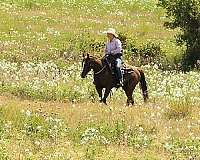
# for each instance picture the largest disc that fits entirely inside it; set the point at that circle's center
(106, 94)
(99, 91)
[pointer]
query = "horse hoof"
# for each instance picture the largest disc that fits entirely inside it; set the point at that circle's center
(130, 104)
(103, 101)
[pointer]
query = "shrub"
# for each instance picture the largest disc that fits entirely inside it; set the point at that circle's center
(151, 53)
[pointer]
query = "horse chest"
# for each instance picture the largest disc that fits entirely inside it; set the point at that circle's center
(103, 81)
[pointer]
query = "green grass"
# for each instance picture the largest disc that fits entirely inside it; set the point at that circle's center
(33, 30)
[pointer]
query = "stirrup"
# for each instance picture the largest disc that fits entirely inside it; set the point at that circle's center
(121, 83)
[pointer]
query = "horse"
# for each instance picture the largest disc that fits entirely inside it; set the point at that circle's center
(104, 79)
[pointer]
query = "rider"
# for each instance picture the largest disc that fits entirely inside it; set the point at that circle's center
(114, 48)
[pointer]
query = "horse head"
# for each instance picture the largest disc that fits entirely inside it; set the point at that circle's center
(86, 64)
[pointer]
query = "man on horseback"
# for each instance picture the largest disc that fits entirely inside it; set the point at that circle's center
(114, 48)
(102, 77)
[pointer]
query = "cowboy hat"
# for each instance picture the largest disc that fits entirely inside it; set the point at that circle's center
(111, 31)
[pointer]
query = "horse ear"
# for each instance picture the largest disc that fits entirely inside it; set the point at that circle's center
(83, 55)
(88, 55)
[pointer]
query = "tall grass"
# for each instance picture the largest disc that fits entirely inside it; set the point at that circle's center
(37, 130)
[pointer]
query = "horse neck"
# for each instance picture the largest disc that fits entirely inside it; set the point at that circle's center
(97, 65)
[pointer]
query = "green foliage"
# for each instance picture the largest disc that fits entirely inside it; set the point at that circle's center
(151, 53)
(146, 53)
(31, 4)
(186, 16)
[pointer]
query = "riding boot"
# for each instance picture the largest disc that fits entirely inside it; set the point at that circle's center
(119, 76)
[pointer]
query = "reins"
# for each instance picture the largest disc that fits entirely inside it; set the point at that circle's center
(100, 70)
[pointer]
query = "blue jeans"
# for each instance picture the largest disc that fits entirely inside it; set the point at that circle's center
(118, 64)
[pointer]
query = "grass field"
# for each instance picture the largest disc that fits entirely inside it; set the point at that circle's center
(48, 112)
(32, 30)
(38, 130)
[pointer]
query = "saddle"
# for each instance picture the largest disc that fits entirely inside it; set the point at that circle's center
(126, 69)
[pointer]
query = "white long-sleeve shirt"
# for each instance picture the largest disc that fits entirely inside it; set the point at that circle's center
(113, 47)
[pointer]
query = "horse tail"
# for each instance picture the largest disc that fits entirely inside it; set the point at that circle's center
(143, 85)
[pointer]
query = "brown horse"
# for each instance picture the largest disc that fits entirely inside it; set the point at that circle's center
(103, 78)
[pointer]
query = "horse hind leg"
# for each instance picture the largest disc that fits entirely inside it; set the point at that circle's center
(145, 95)
(143, 86)
(129, 93)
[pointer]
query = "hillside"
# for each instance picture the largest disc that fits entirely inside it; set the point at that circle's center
(32, 30)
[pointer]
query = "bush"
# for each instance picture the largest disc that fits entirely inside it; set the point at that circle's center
(151, 53)
(146, 53)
